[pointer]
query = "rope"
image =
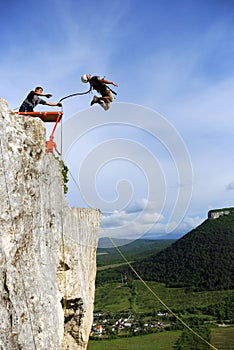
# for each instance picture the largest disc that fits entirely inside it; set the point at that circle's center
(62, 234)
(76, 94)
(84, 93)
(61, 217)
(145, 284)
(13, 231)
(156, 296)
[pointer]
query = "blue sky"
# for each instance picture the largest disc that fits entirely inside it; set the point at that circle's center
(171, 58)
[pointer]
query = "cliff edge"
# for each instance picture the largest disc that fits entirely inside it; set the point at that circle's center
(216, 213)
(47, 249)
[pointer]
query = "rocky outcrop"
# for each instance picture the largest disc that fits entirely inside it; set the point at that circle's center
(216, 213)
(47, 249)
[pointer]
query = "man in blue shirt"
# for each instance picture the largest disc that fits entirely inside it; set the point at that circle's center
(33, 99)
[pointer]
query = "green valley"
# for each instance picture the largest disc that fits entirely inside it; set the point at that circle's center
(186, 286)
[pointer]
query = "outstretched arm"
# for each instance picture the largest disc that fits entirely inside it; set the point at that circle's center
(107, 82)
(54, 104)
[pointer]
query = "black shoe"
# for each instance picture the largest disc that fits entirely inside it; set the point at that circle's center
(94, 100)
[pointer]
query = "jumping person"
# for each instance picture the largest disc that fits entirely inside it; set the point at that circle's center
(99, 84)
(33, 99)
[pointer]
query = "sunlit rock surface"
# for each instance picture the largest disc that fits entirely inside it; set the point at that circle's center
(47, 249)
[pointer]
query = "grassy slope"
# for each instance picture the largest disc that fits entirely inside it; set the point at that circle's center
(137, 299)
(159, 341)
(112, 297)
(223, 338)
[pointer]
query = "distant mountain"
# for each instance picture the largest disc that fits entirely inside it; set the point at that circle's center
(132, 251)
(203, 259)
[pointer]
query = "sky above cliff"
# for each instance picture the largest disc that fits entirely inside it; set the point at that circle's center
(162, 156)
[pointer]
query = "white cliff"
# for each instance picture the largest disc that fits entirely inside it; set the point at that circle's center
(216, 213)
(47, 249)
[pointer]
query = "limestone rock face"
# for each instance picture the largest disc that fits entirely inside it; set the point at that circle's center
(47, 249)
(215, 214)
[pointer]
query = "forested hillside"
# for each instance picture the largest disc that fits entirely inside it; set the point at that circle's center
(203, 259)
(132, 251)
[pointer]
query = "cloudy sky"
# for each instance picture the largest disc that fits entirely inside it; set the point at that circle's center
(162, 156)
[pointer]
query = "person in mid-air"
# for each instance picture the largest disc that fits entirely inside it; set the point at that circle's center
(99, 84)
(33, 99)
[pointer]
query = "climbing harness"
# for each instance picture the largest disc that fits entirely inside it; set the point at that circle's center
(113, 92)
(100, 86)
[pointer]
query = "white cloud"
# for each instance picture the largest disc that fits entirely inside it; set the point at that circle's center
(129, 223)
(150, 224)
(132, 225)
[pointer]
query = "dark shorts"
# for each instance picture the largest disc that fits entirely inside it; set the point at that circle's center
(25, 108)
